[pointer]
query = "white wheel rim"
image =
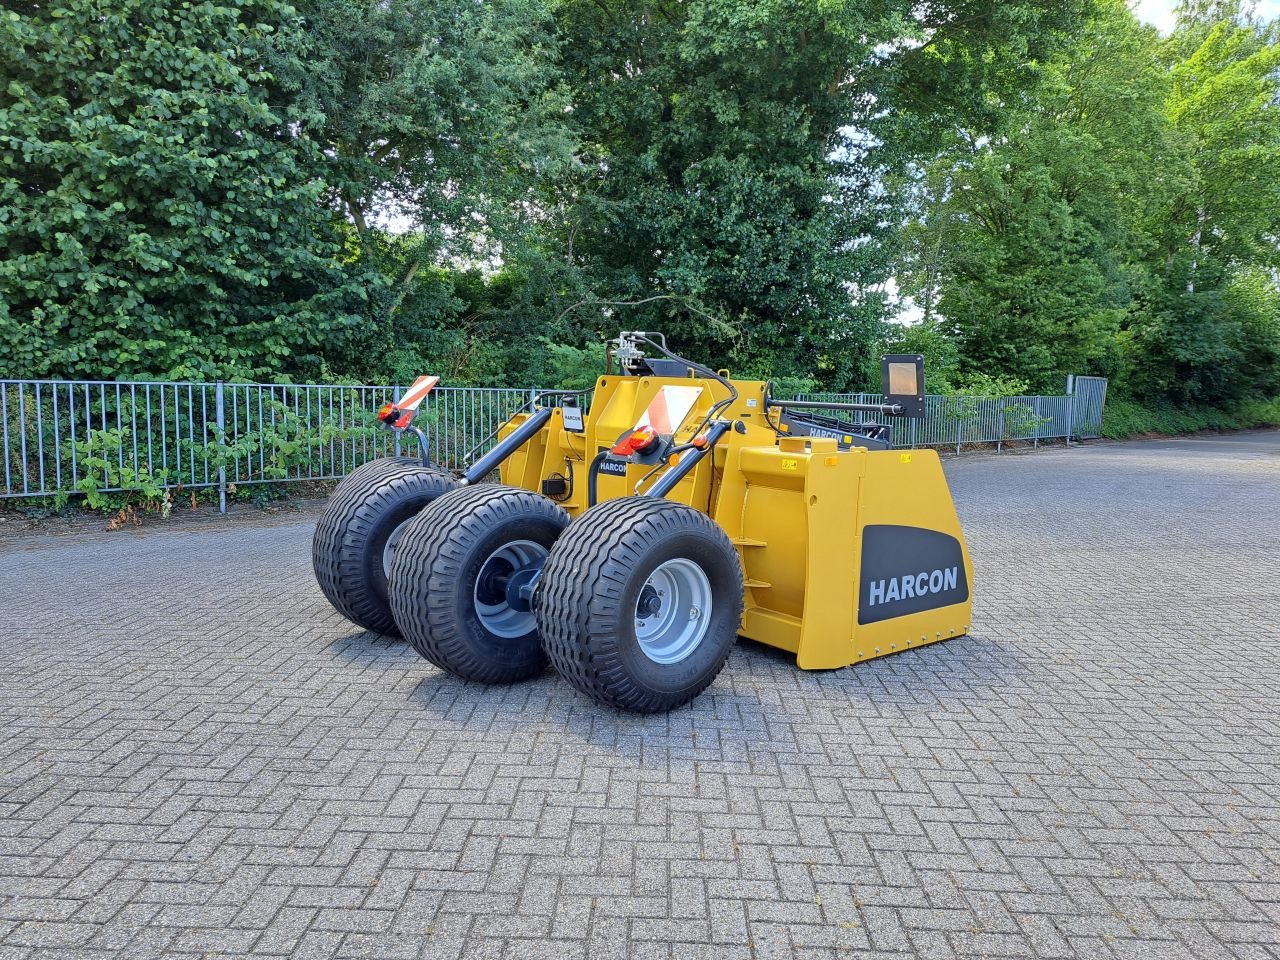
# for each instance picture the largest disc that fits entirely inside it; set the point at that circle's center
(389, 548)
(502, 619)
(673, 611)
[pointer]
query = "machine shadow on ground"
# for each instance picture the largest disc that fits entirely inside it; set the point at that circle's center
(746, 701)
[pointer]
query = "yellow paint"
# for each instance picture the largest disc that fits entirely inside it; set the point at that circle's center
(794, 508)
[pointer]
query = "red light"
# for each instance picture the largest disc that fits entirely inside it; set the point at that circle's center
(700, 441)
(641, 440)
(394, 417)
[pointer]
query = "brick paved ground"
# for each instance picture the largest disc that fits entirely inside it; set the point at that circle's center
(199, 758)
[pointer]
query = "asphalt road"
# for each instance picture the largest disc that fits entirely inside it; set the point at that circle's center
(199, 758)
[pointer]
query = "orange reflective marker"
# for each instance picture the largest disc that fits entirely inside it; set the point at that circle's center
(417, 393)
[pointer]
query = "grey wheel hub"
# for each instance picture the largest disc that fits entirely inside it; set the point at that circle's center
(504, 585)
(389, 548)
(673, 611)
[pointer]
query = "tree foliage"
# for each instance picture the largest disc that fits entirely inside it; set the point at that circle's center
(1122, 219)
(735, 155)
(159, 213)
(372, 188)
(438, 116)
(1206, 328)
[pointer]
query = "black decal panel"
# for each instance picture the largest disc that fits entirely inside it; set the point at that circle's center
(906, 570)
(617, 468)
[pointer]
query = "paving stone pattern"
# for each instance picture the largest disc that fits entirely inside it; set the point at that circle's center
(199, 758)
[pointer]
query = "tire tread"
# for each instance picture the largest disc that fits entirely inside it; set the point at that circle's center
(577, 587)
(353, 507)
(428, 564)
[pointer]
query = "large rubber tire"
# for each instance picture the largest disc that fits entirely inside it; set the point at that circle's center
(593, 586)
(366, 509)
(443, 566)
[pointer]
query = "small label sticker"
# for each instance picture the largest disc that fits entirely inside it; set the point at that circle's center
(904, 458)
(751, 403)
(790, 464)
(572, 418)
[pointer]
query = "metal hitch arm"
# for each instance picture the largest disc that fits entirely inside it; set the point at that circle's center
(889, 409)
(673, 475)
(514, 441)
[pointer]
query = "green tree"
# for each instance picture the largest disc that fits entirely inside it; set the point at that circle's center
(1206, 317)
(734, 155)
(161, 211)
(1032, 290)
(1122, 220)
(1024, 241)
(439, 116)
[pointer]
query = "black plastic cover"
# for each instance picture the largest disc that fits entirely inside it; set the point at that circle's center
(903, 377)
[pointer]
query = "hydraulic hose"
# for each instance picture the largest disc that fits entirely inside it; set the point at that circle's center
(700, 368)
(592, 472)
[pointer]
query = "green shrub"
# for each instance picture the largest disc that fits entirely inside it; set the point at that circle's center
(1126, 418)
(103, 470)
(1260, 413)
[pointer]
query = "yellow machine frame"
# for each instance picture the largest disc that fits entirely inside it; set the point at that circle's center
(847, 553)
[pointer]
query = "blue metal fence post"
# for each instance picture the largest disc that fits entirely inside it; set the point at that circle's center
(395, 396)
(221, 434)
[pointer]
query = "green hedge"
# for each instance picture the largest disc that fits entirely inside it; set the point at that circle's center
(1123, 419)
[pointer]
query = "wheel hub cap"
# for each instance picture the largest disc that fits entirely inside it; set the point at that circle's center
(503, 588)
(673, 611)
(389, 548)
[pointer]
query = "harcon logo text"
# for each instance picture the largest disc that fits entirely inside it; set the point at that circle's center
(913, 585)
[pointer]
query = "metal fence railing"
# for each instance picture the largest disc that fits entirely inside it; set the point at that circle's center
(959, 420)
(59, 437)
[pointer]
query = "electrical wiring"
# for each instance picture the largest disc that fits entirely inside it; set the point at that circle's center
(705, 371)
